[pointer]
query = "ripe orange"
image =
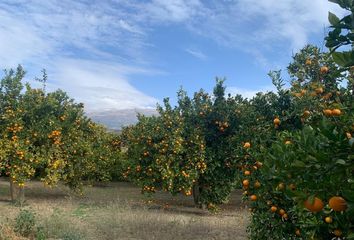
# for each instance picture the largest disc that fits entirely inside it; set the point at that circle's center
(253, 197)
(308, 61)
(273, 209)
(324, 70)
(281, 212)
(337, 232)
(336, 112)
(328, 220)
(281, 186)
(260, 164)
(276, 121)
(247, 145)
(327, 112)
(306, 113)
(285, 216)
(315, 206)
(292, 186)
(246, 182)
(319, 90)
(337, 203)
(247, 173)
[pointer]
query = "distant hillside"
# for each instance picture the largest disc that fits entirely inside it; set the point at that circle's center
(116, 119)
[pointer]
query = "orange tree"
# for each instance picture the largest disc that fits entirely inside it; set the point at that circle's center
(187, 148)
(304, 188)
(46, 135)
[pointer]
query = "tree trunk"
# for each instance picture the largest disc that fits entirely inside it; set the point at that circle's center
(12, 190)
(197, 189)
(196, 194)
(21, 195)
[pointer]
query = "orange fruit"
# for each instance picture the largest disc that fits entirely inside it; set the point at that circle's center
(281, 186)
(292, 186)
(260, 164)
(328, 220)
(306, 113)
(285, 216)
(327, 112)
(245, 182)
(281, 212)
(315, 206)
(257, 184)
(276, 121)
(337, 232)
(253, 197)
(319, 90)
(337, 203)
(273, 209)
(247, 145)
(247, 173)
(308, 61)
(349, 136)
(324, 70)
(336, 112)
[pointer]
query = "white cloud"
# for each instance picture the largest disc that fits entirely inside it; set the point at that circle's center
(196, 53)
(101, 86)
(90, 45)
(249, 93)
(172, 10)
(89, 49)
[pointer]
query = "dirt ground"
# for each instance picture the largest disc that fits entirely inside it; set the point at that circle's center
(120, 211)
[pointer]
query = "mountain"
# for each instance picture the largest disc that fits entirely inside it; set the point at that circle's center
(116, 119)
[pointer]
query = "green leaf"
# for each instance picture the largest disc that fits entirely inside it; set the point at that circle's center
(349, 195)
(333, 19)
(298, 163)
(341, 162)
(344, 59)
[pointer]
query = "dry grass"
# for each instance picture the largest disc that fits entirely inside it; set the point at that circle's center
(119, 211)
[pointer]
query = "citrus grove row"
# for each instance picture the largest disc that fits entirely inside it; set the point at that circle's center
(291, 151)
(46, 136)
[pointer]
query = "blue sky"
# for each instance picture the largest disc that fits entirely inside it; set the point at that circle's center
(117, 54)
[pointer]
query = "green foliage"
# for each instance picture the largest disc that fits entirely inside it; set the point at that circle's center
(25, 222)
(47, 136)
(342, 34)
